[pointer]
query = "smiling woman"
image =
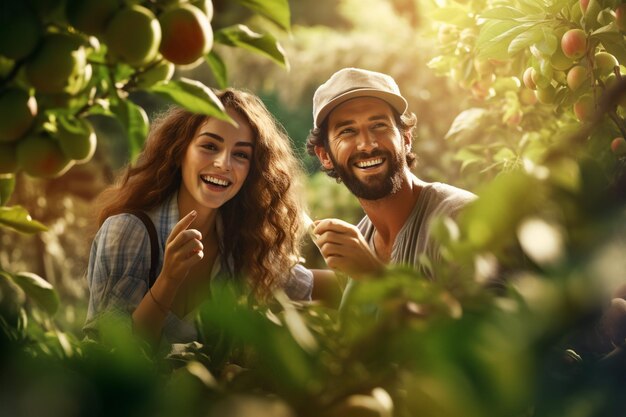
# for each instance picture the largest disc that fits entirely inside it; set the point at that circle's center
(216, 163)
(225, 206)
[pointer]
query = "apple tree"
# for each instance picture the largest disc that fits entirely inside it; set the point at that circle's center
(537, 72)
(542, 143)
(547, 118)
(66, 63)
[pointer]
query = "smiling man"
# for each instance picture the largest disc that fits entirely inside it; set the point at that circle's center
(362, 136)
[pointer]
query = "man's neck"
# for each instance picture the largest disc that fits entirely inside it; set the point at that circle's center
(389, 214)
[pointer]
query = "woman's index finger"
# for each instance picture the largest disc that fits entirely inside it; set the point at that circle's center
(183, 224)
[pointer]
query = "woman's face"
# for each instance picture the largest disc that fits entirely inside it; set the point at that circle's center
(217, 162)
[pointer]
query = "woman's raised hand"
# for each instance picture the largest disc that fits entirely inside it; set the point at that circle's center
(183, 249)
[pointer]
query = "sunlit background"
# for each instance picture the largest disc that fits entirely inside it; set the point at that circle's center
(392, 37)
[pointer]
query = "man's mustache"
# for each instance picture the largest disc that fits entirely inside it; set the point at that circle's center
(367, 155)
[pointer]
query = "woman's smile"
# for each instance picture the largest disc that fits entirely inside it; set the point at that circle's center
(216, 181)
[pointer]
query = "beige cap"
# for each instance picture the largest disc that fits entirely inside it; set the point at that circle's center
(348, 83)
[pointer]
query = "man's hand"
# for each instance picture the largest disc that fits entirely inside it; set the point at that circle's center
(345, 250)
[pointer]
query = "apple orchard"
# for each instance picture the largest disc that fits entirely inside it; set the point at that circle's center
(84, 60)
(540, 139)
(538, 69)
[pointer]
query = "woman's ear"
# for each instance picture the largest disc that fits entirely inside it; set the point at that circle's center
(324, 158)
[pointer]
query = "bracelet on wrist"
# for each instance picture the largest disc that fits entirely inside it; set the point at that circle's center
(161, 307)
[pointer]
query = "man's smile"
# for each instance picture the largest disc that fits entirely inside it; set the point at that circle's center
(369, 163)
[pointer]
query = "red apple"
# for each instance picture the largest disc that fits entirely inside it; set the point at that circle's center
(577, 76)
(574, 43)
(528, 78)
(584, 108)
(618, 146)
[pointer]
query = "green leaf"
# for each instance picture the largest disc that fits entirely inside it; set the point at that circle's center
(502, 13)
(466, 124)
(612, 41)
(467, 157)
(59, 343)
(39, 290)
(243, 37)
(135, 121)
(591, 15)
(610, 28)
(512, 33)
(192, 95)
(17, 218)
(218, 68)
(495, 36)
(605, 17)
(490, 222)
(504, 155)
(493, 28)
(7, 185)
(278, 352)
(6, 65)
(439, 63)
(492, 50)
(524, 40)
(275, 10)
(565, 172)
(9, 289)
(548, 43)
(296, 324)
(532, 7)
(455, 15)
(101, 107)
(72, 125)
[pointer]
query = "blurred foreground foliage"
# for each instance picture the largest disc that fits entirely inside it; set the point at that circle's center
(401, 346)
(530, 321)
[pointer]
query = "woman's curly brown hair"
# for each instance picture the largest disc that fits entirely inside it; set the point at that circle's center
(262, 223)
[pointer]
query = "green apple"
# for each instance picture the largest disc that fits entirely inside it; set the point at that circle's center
(162, 71)
(605, 63)
(577, 76)
(17, 113)
(91, 16)
(76, 138)
(41, 156)
(546, 95)
(133, 36)
(20, 30)
(58, 64)
(8, 158)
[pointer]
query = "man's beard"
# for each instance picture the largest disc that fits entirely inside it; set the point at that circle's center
(378, 186)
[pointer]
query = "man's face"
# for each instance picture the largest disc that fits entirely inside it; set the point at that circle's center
(366, 148)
